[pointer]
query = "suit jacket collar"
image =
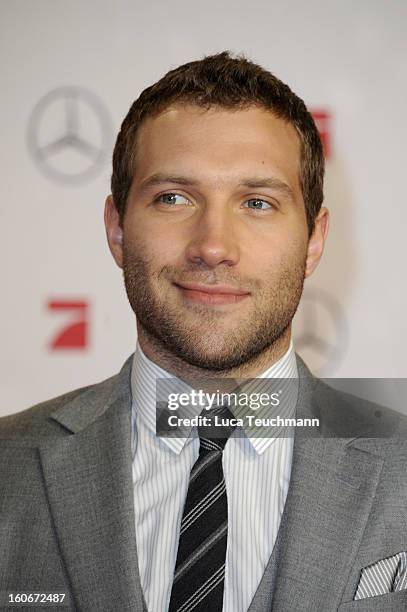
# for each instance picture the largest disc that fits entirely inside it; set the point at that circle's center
(89, 405)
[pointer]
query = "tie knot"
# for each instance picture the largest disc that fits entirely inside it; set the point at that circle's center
(217, 428)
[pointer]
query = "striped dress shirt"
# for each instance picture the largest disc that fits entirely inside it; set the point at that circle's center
(257, 473)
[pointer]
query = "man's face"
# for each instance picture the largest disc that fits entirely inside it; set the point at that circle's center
(215, 238)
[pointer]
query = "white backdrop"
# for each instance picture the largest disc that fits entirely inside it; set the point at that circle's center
(70, 70)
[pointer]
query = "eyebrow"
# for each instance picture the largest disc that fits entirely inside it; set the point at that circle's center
(251, 182)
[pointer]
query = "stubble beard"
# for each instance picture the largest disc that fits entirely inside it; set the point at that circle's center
(199, 337)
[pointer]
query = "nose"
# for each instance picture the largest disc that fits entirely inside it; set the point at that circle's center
(213, 239)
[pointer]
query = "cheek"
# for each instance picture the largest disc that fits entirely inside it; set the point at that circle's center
(269, 254)
(156, 249)
(168, 246)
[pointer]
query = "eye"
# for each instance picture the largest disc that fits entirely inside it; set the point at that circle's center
(172, 199)
(258, 204)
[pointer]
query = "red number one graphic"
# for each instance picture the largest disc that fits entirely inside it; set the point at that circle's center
(73, 335)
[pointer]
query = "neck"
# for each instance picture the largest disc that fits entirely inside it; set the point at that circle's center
(175, 365)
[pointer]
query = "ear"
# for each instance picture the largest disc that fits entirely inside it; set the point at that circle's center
(114, 231)
(317, 241)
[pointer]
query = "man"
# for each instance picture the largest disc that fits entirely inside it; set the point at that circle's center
(216, 219)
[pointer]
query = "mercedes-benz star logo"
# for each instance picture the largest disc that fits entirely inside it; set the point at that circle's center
(321, 331)
(69, 135)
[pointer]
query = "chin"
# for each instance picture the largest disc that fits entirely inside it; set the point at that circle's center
(212, 358)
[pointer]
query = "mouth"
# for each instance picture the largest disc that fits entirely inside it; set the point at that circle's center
(211, 294)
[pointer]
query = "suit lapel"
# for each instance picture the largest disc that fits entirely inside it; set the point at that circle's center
(324, 519)
(88, 477)
(332, 487)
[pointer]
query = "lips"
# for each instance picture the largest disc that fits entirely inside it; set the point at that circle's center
(212, 294)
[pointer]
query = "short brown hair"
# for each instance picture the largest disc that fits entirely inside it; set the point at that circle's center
(228, 82)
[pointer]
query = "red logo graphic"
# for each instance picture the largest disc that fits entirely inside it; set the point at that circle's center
(74, 333)
(323, 120)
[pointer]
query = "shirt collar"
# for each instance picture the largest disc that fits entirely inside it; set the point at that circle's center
(145, 373)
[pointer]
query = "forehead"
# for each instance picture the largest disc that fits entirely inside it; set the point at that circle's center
(220, 142)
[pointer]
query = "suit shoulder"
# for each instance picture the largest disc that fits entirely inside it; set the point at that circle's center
(353, 416)
(71, 411)
(34, 421)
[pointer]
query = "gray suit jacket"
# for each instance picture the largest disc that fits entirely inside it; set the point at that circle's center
(67, 510)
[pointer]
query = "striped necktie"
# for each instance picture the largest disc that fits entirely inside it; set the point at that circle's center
(200, 567)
